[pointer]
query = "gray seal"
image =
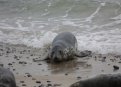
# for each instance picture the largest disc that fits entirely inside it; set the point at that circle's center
(103, 80)
(64, 47)
(6, 78)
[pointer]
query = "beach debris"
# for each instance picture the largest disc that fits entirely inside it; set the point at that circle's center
(38, 81)
(9, 63)
(116, 67)
(39, 64)
(119, 62)
(79, 77)
(57, 85)
(41, 85)
(23, 84)
(36, 59)
(102, 70)
(48, 81)
(33, 79)
(29, 75)
(113, 60)
(104, 59)
(2, 65)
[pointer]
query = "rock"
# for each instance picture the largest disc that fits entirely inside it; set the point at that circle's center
(116, 67)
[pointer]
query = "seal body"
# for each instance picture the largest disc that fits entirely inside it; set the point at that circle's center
(64, 47)
(104, 80)
(6, 78)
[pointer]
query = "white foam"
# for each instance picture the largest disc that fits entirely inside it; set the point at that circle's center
(20, 27)
(110, 24)
(32, 41)
(89, 19)
(117, 17)
(5, 26)
(101, 42)
(45, 14)
(69, 23)
(103, 4)
(67, 12)
(44, 40)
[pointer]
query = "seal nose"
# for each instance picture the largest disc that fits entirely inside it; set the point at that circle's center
(2, 85)
(56, 59)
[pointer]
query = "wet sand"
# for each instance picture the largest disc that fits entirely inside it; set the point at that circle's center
(28, 72)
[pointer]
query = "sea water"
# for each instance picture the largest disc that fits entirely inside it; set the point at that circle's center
(95, 23)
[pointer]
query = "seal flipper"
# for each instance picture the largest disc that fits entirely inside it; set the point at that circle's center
(77, 84)
(83, 54)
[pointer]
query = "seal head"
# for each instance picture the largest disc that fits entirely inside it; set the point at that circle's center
(56, 54)
(6, 78)
(6, 81)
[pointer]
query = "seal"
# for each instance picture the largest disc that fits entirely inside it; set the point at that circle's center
(64, 47)
(6, 78)
(103, 80)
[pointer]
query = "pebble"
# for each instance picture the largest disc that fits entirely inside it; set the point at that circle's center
(102, 70)
(23, 84)
(119, 62)
(38, 81)
(79, 77)
(33, 79)
(49, 84)
(22, 62)
(39, 64)
(116, 67)
(21, 81)
(9, 63)
(48, 81)
(57, 85)
(2, 65)
(66, 74)
(29, 75)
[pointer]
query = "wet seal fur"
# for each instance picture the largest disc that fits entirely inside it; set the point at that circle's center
(7, 78)
(103, 80)
(64, 47)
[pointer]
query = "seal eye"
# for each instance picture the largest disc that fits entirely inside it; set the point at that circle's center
(60, 52)
(5, 81)
(52, 53)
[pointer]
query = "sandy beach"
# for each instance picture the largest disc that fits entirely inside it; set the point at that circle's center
(29, 72)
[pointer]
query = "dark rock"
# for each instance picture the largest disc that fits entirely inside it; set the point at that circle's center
(9, 63)
(22, 62)
(39, 64)
(57, 85)
(48, 81)
(2, 65)
(23, 84)
(49, 84)
(116, 67)
(29, 75)
(38, 81)
(79, 77)
(33, 79)
(21, 81)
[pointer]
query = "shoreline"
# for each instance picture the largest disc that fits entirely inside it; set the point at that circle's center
(29, 73)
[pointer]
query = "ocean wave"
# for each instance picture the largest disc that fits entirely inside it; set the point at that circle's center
(35, 23)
